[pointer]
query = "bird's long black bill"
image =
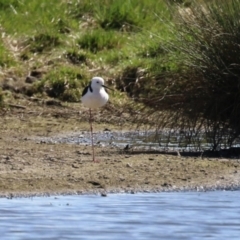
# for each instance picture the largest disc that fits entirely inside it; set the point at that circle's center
(107, 87)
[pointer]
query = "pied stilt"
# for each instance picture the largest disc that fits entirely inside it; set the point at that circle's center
(94, 96)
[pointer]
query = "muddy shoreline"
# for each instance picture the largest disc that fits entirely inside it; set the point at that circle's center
(31, 168)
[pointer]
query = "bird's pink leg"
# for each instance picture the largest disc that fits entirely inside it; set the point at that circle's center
(91, 120)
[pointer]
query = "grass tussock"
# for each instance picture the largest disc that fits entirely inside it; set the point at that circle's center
(76, 56)
(8, 4)
(6, 58)
(125, 16)
(98, 40)
(42, 42)
(199, 87)
(63, 83)
(116, 14)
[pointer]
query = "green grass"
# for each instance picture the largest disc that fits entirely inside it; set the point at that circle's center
(6, 59)
(43, 42)
(63, 83)
(76, 56)
(125, 16)
(51, 28)
(107, 37)
(98, 40)
(177, 57)
(6, 5)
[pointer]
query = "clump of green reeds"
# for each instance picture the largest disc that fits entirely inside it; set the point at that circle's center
(210, 37)
(197, 82)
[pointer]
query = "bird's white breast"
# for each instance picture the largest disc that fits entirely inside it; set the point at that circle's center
(95, 99)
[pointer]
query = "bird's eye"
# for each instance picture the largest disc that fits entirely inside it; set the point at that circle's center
(97, 82)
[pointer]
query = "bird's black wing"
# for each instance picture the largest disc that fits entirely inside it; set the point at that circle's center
(85, 91)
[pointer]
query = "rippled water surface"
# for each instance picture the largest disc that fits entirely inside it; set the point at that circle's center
(176, 215)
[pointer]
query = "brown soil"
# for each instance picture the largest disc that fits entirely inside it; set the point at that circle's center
(29, 167)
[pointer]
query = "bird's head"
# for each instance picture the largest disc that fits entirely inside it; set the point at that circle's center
(98, 83)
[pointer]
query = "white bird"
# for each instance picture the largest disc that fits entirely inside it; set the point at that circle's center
(94, 96)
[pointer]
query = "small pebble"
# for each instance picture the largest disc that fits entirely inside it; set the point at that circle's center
(104, 194)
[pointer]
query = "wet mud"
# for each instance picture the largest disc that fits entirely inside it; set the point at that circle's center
(32, 165)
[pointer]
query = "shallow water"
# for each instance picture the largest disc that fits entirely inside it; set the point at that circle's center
(139, 140)
(147, 140)
(175, 215)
